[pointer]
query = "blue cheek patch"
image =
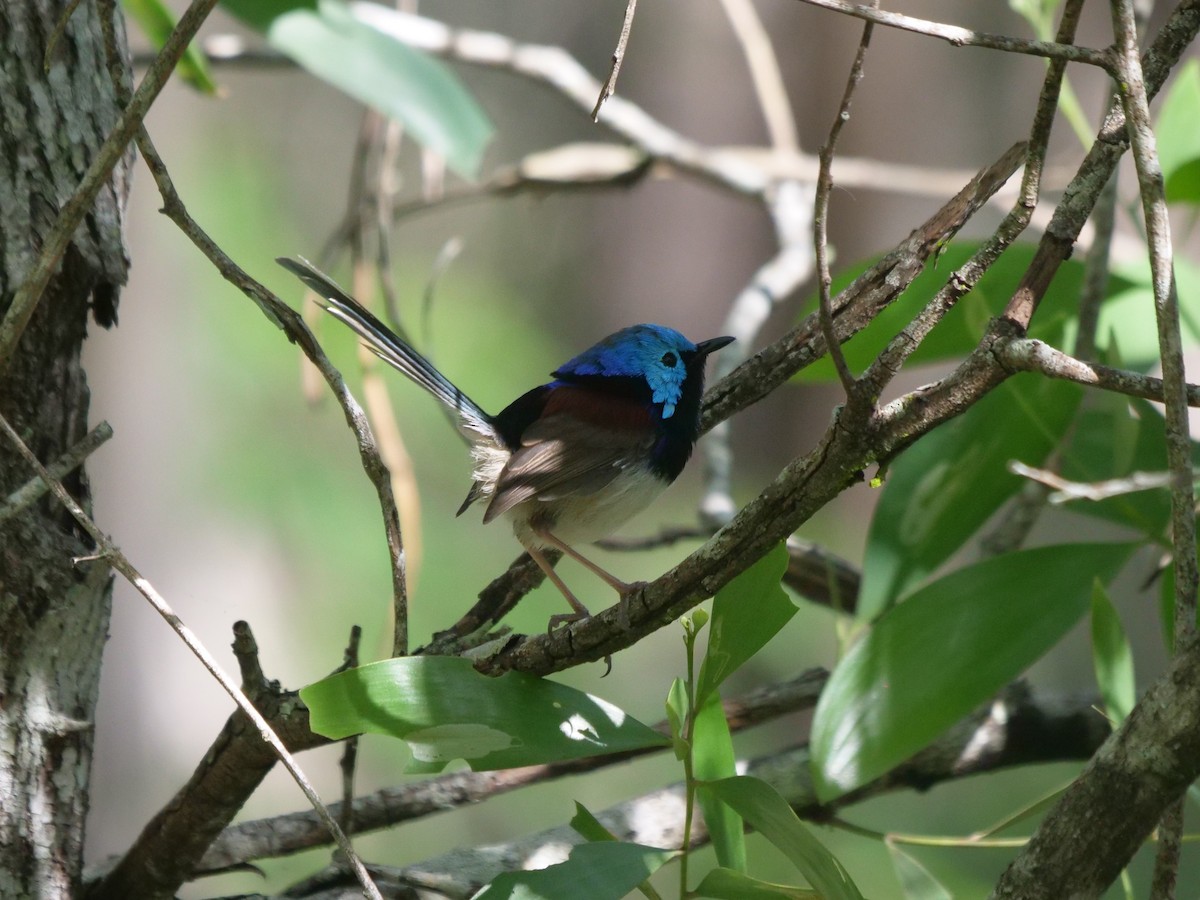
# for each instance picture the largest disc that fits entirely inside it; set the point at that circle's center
(667, 385)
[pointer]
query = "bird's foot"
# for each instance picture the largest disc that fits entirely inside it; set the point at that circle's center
(566, 619)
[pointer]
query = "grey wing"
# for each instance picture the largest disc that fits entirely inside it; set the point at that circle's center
(561, 456)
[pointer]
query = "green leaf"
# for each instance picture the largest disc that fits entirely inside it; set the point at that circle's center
(959, 331)
(1184, 184)
(725, 884)
(712, 760)
(915, 880)
(588, 827)
(598, 871)
(158, 22)
(1176, 134)
(768, 813)
(338, 45)
(1111, 656)
(445, 710)
(948, 648)
(746, 613)
(946, 486)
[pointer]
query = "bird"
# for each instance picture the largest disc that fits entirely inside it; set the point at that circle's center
(571, 460)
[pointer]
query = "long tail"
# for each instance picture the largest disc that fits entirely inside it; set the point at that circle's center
(388, 346)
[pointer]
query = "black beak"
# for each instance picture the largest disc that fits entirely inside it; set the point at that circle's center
(706, 347)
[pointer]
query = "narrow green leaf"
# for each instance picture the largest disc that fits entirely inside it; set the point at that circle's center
(915, 880)
(339, 45)
(588, 827)
(943, 488)
(597, 871)
(445, 710)
(1028, 811)
(725, 884)
(712, 760)
(158, 22)
(746, 613)
(769, 814)
(948, 648)
(1111, 656)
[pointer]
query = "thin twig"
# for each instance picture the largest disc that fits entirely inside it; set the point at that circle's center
(1132, 89)
(965, 37)
(35, 488)
(55, 242)
(1066, 490)
(821, 210)
(293, 326)
(1166, 306)
(618, 57)
(110, 552)
(350, 750)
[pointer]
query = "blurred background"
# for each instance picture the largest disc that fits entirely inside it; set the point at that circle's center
(239, 499)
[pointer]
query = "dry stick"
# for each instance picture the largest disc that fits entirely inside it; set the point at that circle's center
(55, 243)
(821, 210)
(965, 37)
(295, 329)
(1065, 491)
(1030, 355)
(1132, 88)
(35, 488)
(109, 551)
(618, 57)
(350, 751)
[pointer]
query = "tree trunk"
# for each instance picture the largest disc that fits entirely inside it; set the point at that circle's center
(53, 613)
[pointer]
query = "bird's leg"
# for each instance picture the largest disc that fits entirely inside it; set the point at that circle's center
(621, 587)
(580, 611)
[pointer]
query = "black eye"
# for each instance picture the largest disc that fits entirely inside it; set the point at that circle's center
(669, 359)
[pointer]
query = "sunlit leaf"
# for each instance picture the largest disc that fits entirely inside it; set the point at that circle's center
(915, 880)
(157, 21)
(334, 43)
(942, 489)
(769, 814)
(945, 650)
(445, 710)
(746, 613)
(606, 870)
(725, 884)
(1111, 656)
(712, 760)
